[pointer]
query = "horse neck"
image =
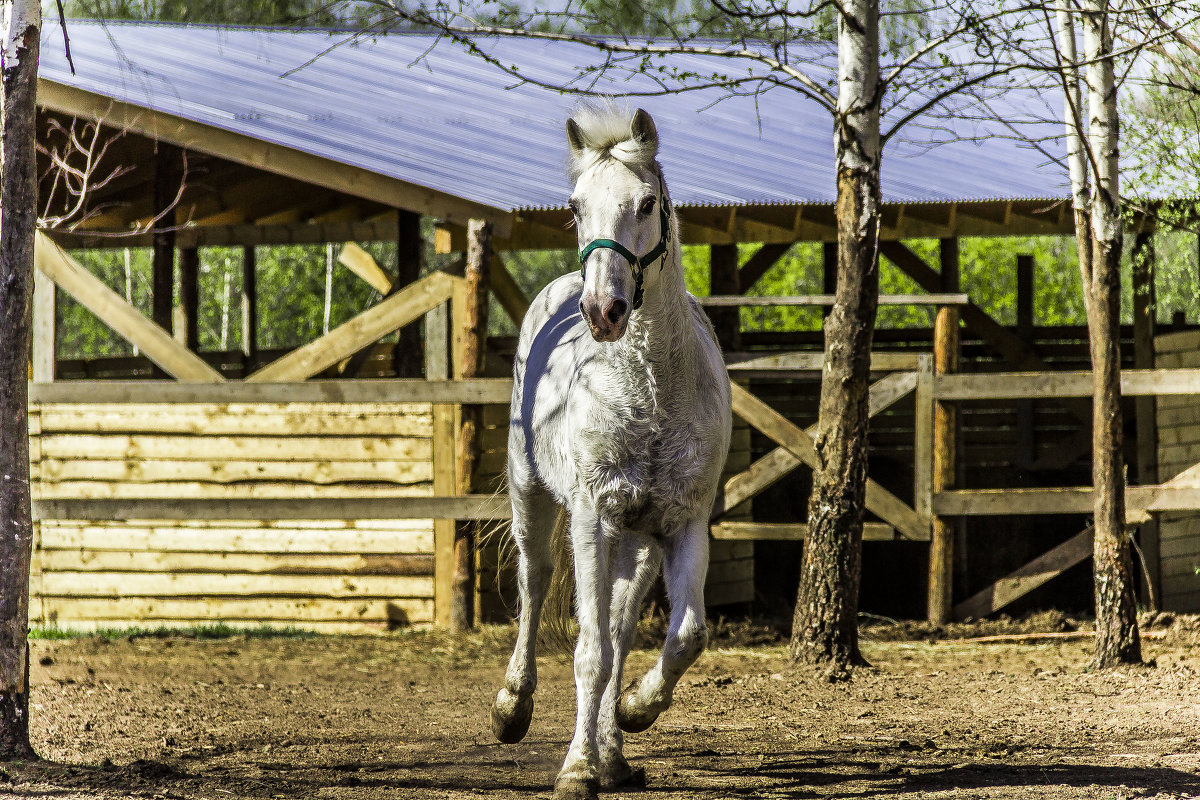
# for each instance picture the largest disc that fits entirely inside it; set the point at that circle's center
(662, 327)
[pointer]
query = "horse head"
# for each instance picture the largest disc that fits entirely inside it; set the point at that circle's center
(622, 215)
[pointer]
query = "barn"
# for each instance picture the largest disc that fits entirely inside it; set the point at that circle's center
(325, 486)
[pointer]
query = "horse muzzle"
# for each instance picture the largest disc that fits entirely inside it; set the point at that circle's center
(607, 318)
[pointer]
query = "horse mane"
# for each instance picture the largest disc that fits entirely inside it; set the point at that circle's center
(607, 134)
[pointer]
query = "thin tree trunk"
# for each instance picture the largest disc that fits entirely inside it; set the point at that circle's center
(18, 201)
(1117, 639)
(1074, 115)
(825, 627)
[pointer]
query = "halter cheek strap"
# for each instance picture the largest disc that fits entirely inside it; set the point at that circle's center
(638, 265)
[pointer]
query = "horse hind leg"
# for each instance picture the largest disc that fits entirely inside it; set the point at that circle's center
(686, 556)
(534, 515)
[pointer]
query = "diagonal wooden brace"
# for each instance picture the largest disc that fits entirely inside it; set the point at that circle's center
(796, 441)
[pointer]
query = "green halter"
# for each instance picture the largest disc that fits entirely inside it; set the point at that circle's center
(638, 265)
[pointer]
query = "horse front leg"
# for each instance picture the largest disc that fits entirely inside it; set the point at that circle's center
(686, 563)
(534, 515)
(636, 564)
(579, 778)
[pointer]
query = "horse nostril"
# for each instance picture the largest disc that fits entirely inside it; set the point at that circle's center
(616, 310)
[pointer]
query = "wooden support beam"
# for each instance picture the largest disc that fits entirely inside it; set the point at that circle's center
(476, 507)
(249, 309)
(723, 280)
(729, 301)
(1144, 312)
(166, 186)
(1026, 446)
(879, 501)
(757, 265)
(1076, 383)
(496, 391)
(944, 467)
(469, 317)
(1022, 581)
(43, 327)
(114, 311)
(400, 309)
(189, 296)
(445, 455)
(774, 465)
(362, 264)
(791, 531)
(409, 356)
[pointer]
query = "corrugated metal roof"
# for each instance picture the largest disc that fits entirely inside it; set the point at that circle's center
(439, 117)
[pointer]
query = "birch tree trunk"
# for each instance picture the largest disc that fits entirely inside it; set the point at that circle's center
(1117, 639)
(18, 218)
(825, 625)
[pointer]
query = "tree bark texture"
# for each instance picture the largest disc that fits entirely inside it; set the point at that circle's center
(474, 354)
(825, 625)
(1117, 640)
(18, 221)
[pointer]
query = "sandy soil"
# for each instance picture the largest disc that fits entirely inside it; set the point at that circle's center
(406, 716)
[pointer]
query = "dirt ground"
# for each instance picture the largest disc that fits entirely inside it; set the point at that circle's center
(406, 716)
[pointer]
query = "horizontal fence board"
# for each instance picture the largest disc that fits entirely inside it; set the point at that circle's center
(1035, 385)
(233, 562)
(230, 610)
(212, 419)
(1181, 583)
(791, 531)
(1183, 565)
(135, 584)
(219, 471)
(467, 507)
(1065, 500)
(1181, 547)
(265, 448)
(191, 491)
(394, 390)
(415, 536)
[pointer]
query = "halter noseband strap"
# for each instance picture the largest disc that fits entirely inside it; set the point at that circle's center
(638, 265)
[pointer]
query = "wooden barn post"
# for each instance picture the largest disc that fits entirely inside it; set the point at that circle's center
(945, 423)
(407, 357)
(724, 279)
(18, 220)
(189, 297)
(249, 308)
(470, 323)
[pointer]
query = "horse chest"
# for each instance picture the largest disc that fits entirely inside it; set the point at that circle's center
(653, 477)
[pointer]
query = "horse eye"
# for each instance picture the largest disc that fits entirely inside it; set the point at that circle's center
(574, 207)
(646, 207)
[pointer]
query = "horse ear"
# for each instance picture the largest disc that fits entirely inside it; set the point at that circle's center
(643, 129)
(575, 137)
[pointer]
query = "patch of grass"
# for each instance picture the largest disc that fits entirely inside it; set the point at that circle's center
(214, 631)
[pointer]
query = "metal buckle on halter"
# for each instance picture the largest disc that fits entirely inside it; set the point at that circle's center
(636, 264)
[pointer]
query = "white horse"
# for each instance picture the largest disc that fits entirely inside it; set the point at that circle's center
(621, 415)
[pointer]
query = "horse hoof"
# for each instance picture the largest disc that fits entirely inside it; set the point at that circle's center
(618, 773)
(571, 787)
(631, 716)
(511, 714)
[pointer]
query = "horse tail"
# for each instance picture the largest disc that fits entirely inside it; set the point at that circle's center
(557, 632)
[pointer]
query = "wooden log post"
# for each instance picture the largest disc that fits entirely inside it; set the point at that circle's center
(1145, 305)
(249, 309)
(724, 279)
(44, 299)
(407, 357)
(945, 424)
(189, 297)
(470, 325)
(445, 455)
